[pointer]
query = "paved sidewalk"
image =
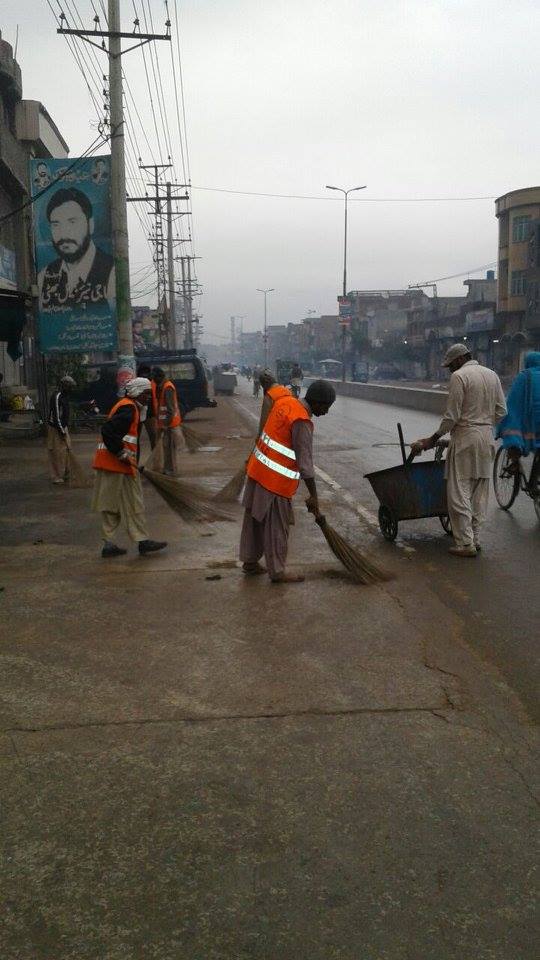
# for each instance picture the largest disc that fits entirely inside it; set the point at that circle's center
(224, 769)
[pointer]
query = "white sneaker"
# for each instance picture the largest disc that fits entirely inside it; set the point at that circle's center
(58, 480)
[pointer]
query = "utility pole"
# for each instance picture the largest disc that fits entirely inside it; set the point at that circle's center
(114, 35)
(118, 192)
(170, 270)
(189, 316)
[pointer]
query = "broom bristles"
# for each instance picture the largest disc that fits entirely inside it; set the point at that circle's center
(185, 499)
(232, 490)
(360, 567)
(193, 440)
(78, 479)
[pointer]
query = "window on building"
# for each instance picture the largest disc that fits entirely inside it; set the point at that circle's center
(519, 283)
(520, 228)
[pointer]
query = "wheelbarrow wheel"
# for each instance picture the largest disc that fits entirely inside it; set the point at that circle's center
(388, 523)
(445, 523)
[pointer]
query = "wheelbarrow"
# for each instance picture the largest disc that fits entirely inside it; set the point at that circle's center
(410, 491)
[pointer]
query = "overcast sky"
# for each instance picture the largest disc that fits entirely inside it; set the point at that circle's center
(415, 98)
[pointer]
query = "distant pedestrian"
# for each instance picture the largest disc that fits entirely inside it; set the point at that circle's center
(297, 378)
(475, 404)
(58, 439)
(256, 382)
(169, 421)
(283, 455)
(272, 391)
(118, 491)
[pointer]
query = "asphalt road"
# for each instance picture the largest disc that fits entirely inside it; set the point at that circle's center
(498, 590)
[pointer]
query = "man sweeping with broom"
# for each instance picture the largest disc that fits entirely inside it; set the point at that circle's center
(283, 455)
(169, 421)
(118, 491)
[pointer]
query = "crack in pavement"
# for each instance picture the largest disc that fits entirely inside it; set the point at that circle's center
(219, 718)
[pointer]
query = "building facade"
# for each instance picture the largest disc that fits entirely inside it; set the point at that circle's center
(518, 293)
(26, 131)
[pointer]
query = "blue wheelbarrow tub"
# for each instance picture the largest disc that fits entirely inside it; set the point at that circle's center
(411, 491)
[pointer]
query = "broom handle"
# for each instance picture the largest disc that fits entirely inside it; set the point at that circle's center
(402, 443)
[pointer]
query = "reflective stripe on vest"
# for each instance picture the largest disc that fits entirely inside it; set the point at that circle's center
(162, 410)
(273, 461)
(275, 466)
(278, 447)
(105, 460)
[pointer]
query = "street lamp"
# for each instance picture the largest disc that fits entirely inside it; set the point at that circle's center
(265, 335)
(343, 330)
(346, 196)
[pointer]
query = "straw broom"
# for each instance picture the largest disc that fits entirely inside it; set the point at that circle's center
(78, 479)
(193, 440)
(232, 490)
(185, 499)
(360, 568)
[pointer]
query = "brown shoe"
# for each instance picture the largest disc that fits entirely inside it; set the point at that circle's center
(463, 551)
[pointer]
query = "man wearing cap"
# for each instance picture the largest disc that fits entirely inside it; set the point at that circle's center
(58, 439)
(283, 455)
(118, 491)
(475, 404)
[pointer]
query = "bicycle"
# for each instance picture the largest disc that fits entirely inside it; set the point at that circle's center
(509, 478)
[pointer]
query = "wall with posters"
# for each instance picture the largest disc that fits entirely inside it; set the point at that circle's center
(76, 277)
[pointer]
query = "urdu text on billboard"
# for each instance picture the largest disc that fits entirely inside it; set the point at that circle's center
(76, 277)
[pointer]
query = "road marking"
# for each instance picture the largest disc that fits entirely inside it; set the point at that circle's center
(363, 512)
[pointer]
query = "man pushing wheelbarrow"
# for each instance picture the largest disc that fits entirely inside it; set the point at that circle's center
(475, 405)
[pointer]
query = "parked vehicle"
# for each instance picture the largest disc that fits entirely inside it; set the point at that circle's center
(187, 371)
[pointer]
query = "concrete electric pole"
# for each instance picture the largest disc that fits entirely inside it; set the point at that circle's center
(113, 33)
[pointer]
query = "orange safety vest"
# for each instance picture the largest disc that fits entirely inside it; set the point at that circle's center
(162, 412)
(276, 392)
(105, 460)
(273, 461)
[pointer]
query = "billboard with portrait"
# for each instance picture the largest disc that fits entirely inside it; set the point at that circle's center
(76, 277)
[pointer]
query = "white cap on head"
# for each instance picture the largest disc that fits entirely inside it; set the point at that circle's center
(69, 381)
(454, 352)
(138, 385)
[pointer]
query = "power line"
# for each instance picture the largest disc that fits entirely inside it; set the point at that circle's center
(296, 196)
(28, 203)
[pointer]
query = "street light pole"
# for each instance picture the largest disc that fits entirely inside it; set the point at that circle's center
(343, 329)
(265, 334)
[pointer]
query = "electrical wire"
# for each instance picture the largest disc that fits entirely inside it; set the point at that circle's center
(28, 203)
(296, 196)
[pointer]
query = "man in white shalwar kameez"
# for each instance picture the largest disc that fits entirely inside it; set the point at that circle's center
(475, 404)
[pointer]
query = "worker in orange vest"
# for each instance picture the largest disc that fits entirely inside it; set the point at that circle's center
(169, 420)
(118, 491)
(283, 455)
(150, 422)
(272, 392)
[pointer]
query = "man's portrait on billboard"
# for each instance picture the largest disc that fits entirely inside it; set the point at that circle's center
(100, 172)
(42, 176)
(81, 273)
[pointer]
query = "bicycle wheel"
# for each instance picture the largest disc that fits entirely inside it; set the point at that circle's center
(505, 483)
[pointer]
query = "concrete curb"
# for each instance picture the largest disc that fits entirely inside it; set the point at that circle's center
(429, 401)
